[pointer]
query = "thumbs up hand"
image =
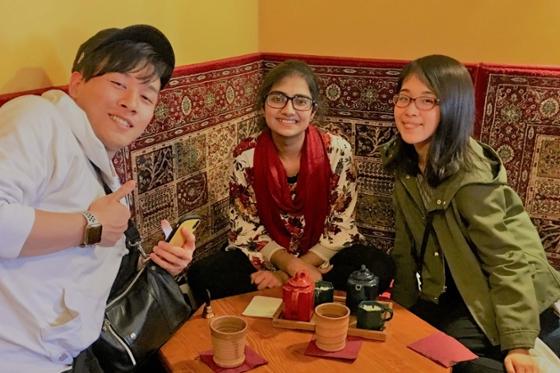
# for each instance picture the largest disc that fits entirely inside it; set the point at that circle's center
(112, 214)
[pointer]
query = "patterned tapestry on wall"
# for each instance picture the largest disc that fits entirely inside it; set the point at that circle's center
(521, 120)
(181, 162)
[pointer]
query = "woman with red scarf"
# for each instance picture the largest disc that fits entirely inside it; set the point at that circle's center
(292, 199)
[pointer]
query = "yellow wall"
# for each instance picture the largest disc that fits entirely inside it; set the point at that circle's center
(500, 31)
(38, 38)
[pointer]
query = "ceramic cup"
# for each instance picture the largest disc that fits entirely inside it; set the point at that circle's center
(228, 340)
(331, 326)
(324, 292)
(372, 315)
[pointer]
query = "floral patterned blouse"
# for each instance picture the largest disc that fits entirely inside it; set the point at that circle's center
(249, 235)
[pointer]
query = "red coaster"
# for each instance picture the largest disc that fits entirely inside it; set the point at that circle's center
(252, 360)
(443, 349)
(350, 352)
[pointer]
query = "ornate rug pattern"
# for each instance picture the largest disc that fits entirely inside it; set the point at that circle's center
(521, 120)
(181, 162)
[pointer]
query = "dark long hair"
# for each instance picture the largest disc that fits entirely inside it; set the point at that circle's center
(286, 69)
(451, 83)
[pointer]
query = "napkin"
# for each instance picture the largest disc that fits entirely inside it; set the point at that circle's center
(350, 352)
(442, 349)
(262, 306)
(252, 360)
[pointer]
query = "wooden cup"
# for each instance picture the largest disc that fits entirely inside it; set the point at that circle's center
(331, 326)
(228, 340)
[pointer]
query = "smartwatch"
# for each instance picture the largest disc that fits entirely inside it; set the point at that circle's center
(92, 231)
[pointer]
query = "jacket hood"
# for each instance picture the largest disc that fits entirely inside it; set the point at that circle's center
(486, 167)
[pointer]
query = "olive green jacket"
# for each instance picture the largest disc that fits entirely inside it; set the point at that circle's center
(493, 251)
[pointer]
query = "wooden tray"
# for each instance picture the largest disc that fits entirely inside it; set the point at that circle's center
(379, 335)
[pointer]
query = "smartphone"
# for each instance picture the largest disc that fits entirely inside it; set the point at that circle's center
(176, 237)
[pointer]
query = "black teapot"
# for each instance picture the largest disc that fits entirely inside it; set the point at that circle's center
(361, 285)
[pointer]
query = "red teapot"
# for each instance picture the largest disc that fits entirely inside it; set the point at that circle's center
(298, 294)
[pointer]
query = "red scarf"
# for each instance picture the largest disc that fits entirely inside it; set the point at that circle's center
(312, 191)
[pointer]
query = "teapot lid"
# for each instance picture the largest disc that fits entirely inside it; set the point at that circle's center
(300, 280)
(362, 274)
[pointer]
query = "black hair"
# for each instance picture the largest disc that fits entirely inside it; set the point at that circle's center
(292, 68)
(448, 152)
(122, 57)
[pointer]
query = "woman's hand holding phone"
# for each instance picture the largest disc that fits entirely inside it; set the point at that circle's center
(177, 253)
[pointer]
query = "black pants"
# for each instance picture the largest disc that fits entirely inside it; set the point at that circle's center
(453, 318)
(87, 362)
(228, 273)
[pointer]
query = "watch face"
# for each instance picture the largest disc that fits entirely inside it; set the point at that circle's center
(93, 234)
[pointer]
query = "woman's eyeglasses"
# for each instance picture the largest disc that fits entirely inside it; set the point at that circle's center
(279, 100)
(421, 102)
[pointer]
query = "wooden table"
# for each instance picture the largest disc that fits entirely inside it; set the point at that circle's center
(283, 348)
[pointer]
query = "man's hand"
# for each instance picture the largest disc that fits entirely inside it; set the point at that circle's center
(174, 259)
(112, 214)
(518, 360)
(268, 279)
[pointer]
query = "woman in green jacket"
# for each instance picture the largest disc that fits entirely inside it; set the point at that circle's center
(468, 259)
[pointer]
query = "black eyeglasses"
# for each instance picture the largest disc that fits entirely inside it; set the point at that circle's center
(421, 102)
(279, 100)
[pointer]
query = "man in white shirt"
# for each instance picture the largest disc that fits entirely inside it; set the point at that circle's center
(61, 236)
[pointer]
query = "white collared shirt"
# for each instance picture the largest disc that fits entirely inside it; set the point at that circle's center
(51, 306)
